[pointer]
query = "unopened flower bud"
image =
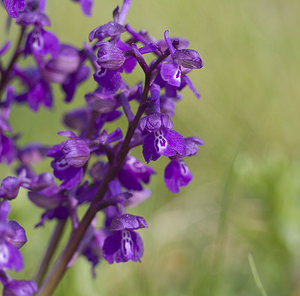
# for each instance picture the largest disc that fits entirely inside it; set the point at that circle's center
(65, 63)
(76, 152)
(188, 58)
(100, 102)
(109, 56)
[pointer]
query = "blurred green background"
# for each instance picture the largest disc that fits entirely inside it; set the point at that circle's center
(244, 198)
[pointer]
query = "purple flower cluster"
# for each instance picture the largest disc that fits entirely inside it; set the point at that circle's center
(94, 166)
(12, 238)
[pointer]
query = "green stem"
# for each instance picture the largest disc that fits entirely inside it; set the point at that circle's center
(56, 236)
(256, 276)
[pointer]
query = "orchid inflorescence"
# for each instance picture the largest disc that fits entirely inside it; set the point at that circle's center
(95, 167)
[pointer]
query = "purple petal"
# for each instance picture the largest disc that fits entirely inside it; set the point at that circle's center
(86, 6)
(32, 153)
(188, 58)
(4, 210)
(171, 73)
(72, 178)
(155, 121)
(109, 56)
(137, 198)
(13, 7)
(42, 43)
(10, 257)
(5, 48)
(188, 81)
(128, 222)
(72, 81)
(7, 149)
(191, 144)
(123, 246)
(175, 143)
(177, 174)
(163, 142)
(10, 187)
(19, 238)
(20, 288)
(108, 79)
(124, 10)
(40, 93)
(111, 29)
(76, 152)
(46, 201)
(77, 119)
(169, 43)
(149, 151)
(133, 172)
(100, 102)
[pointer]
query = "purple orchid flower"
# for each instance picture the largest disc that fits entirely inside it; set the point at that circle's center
(69, 158)
(12, 237)
(181, 62)
(124, 244)
(133, 173)
(160, 140)
(177, 174)
(41, 42)
(38, 91)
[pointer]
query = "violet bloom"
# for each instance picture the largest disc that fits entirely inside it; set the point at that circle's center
(32, 153)
(133, 173)
(41, 42)
(160, 140)
(69, 158)
(14, 7)
(66, 62)
(181, 62)
(7, 147)
(124, 244)
(12, 237)
(102, 101)
(53, 200)
(10, 186)
(71, 82)
(66, 69)
(38, 89)
(177, 174)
